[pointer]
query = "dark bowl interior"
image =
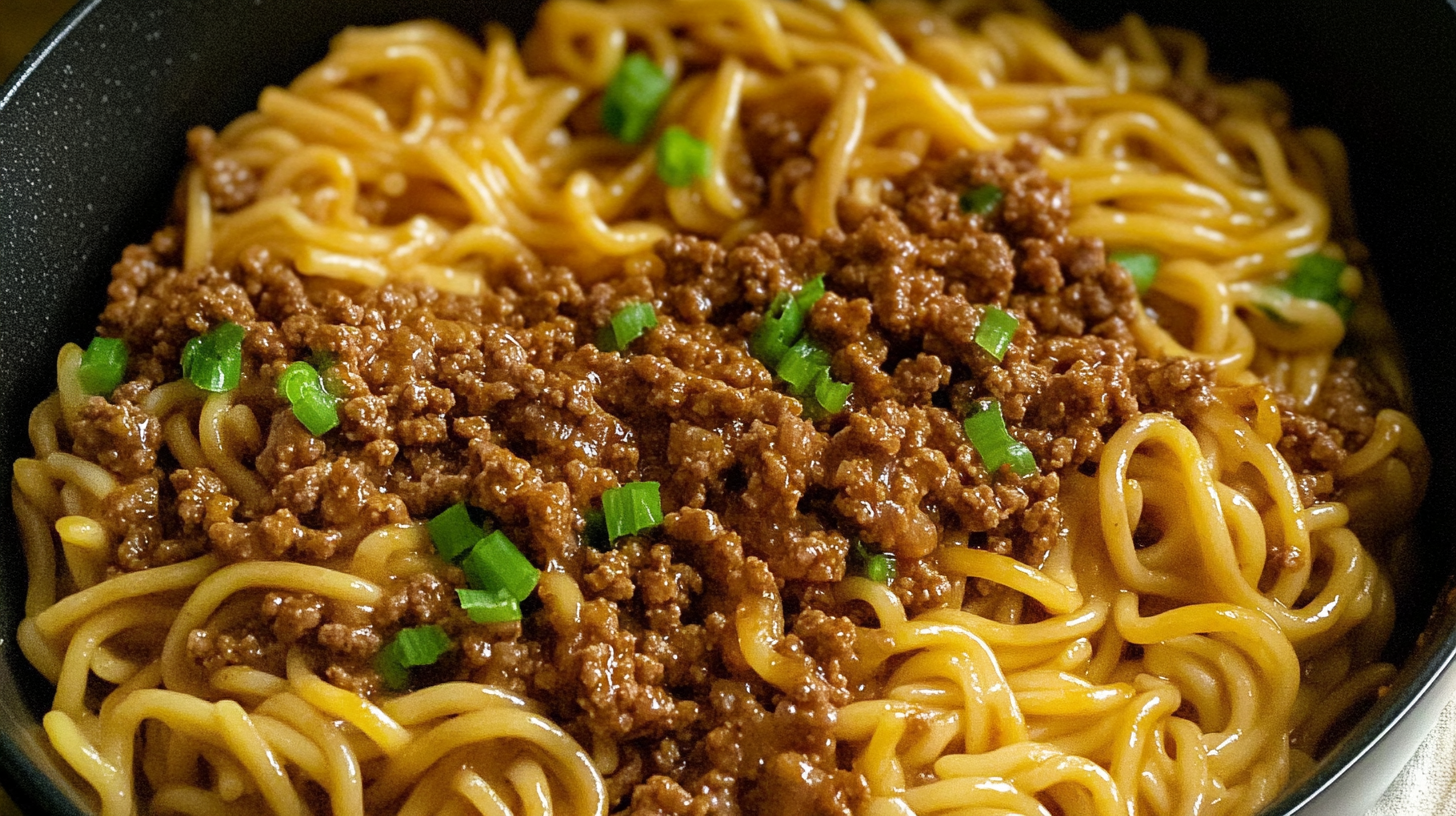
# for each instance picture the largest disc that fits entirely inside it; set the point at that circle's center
(92, 131)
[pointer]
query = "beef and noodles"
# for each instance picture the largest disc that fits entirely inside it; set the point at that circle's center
(702, 408)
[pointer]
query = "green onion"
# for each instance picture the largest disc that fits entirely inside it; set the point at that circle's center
(633, 97)
(801, 364)
(595, 533)
(631, 508)
(494, 564)
(995, 332)
(454, 532)
(214, 361)
(784, 320)
(981, 200)
(103, 364)
(781, 326)
(809, 294)
(986, 429)
(313, 405)
(1141, 266)
(420, 646)
(1317, 277)
(484, 606)
(682, 158)
(830, 396)
(629, 323)
(876, 566)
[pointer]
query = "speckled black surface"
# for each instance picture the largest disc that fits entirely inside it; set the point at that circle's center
(92, 131)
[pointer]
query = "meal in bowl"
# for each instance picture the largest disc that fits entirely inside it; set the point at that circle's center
(711, 408)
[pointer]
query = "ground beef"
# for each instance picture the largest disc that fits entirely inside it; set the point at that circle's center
(505, 402)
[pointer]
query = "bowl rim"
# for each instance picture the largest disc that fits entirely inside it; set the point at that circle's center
(26, 783)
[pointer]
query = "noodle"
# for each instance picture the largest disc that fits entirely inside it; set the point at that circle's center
(1190, 642)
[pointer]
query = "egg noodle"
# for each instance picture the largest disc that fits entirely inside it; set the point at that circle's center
(1182, 676)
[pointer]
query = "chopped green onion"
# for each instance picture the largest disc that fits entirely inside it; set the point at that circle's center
(631, 508)
(454, 532)
(214, 361)
(495, 564)
(981, 200)
(784, 320)
(420, 646)
(103, 364)
(830, 396)
(1317, 277)
(629, 323)
(682, 158)
(633, 97)
(1141, 266)
(995, 332)
(986, 429)
(484, 606)
(876, 566)
(781, 326)
(595, 534)
(801, 364)
(809, 294)
(312, 403)
(880, 568)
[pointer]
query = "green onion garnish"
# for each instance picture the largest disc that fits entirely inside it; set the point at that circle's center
(484, 606)
(595, 534)
(454, 532)
(1317, 277)
(876, 566)
(494, 564)
(995, 332)
(629, 323)
(780, 327)
(981, 200)
(313, 405)
(420, 646)
(103, 364)
(801, 364)
(1141, 266)
(214, 361)
(682, 158)
(784, 320)
(631, 508)
(987, 431)
(633, 98)
(829, 395)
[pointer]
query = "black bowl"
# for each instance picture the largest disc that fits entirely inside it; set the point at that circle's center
(92, 131)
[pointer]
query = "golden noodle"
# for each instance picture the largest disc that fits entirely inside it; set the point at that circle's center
(411, 153)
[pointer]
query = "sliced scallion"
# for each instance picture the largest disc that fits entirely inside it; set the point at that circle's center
(995, 332)
(454, 532)
(682, 158)
(801, 364)
(1317, 277)
(419, 646)
(633, 97)
(877, 566)
(981, 200)
(494, 564)
(830, 396)
(632, 508)
(214, 361)
(629, 323)
(313, 405)
(1141, 266)
(986, 429)
(103, 365)
(780, 327)
(484, 606)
